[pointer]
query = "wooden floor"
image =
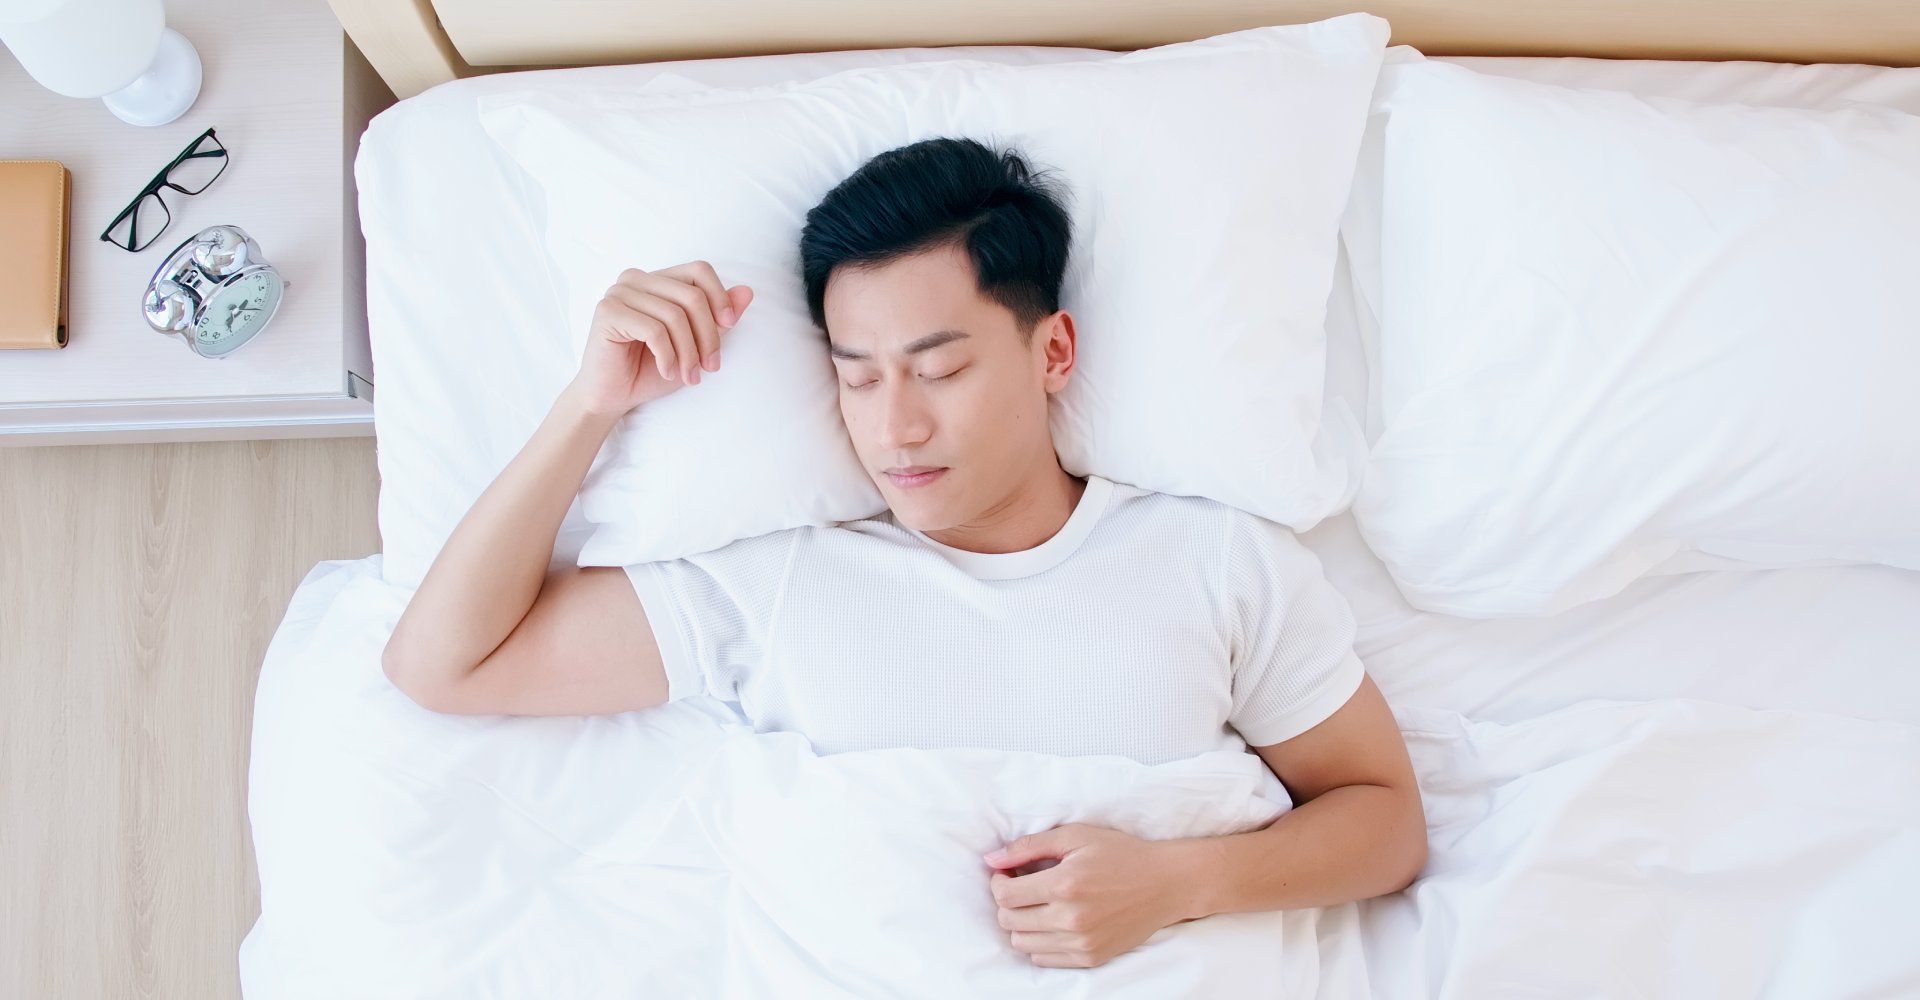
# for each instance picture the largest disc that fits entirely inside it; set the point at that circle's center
(139, 585)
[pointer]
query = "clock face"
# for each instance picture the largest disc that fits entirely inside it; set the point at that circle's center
(237, 311)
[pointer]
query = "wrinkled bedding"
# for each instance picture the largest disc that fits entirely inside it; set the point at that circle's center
(1674, 847)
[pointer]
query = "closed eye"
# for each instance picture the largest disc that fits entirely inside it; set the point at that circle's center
(938, 378)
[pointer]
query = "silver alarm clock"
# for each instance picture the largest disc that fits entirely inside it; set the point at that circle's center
(215, 291)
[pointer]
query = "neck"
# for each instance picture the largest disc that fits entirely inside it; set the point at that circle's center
(1035, 511)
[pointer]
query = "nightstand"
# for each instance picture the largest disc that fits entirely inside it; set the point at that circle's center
(289, 95)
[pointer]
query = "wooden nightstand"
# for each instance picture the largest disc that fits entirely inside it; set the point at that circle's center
(290, 96)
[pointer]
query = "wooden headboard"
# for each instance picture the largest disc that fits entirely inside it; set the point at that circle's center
(415, 44)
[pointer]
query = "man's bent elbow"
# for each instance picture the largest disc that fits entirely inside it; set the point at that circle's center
(427, 688)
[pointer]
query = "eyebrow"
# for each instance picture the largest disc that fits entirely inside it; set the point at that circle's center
(926, 343)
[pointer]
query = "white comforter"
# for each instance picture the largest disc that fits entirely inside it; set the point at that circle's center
(1610, 849)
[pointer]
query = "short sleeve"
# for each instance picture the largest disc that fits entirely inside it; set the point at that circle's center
(711, 613)
(1291, 635)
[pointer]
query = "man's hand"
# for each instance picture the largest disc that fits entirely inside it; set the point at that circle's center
(1109, 892)
(653, 332)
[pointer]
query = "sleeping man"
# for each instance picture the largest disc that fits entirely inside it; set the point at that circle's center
(999, 603)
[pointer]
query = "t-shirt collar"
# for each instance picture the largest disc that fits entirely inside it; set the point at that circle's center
(1040, 558)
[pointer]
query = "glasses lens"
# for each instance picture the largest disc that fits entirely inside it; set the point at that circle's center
(193, 174)
(139, 228)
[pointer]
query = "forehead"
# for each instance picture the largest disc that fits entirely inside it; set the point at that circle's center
(882, 307)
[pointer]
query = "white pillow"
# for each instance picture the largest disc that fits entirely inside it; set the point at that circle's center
(1615, 330)
(1207, 181)
(469, 345)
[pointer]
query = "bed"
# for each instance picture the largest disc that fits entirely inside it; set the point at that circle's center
(1703, 782)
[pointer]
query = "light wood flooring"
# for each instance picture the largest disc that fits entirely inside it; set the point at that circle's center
(139, 585)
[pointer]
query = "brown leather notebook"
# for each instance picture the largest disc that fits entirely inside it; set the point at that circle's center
(35, 205)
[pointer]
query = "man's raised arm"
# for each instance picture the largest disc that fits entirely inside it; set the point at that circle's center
(490, 630)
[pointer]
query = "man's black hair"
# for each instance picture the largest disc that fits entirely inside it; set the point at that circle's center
(1007, 215)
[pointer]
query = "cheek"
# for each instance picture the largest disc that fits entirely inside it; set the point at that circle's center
(856, 416)
(991, 413)
(1019, 397)
(849, 414)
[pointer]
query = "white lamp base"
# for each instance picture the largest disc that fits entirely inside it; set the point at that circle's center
(166, 90)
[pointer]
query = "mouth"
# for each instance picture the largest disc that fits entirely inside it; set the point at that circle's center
(909, 477)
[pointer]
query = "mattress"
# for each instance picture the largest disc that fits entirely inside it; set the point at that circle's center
(1703, 786)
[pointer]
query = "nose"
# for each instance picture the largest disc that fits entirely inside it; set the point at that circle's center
(905, 422)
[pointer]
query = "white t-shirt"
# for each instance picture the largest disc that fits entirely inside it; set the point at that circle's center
(1151, 626)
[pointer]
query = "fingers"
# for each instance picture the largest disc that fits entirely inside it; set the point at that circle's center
(740, 297)
(1031, 918)
(1029, 890)
(704, 279)
(1049, 844)
(1041, 942)
(692, 305)
(672, 316)
(623, 322)
(1058, 949)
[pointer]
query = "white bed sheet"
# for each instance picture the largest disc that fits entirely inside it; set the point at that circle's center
(1705, 785)
(1839, 640)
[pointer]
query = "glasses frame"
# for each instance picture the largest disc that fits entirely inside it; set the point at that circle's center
(162, 180)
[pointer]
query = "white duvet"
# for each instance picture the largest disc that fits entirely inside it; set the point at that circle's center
(1609, 849)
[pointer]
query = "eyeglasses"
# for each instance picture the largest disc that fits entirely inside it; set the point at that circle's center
(146, 217)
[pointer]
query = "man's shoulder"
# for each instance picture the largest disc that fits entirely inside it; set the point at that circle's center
(835, 542)
(1204, 520)
(829, 538)
(1151, 506)
(768, 547)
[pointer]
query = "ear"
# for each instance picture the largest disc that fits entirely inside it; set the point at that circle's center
(1057, 349)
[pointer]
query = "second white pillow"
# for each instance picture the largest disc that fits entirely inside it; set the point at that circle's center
(1616, 330)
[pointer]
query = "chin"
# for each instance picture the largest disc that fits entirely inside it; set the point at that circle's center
(913, 510)
(915, 513)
